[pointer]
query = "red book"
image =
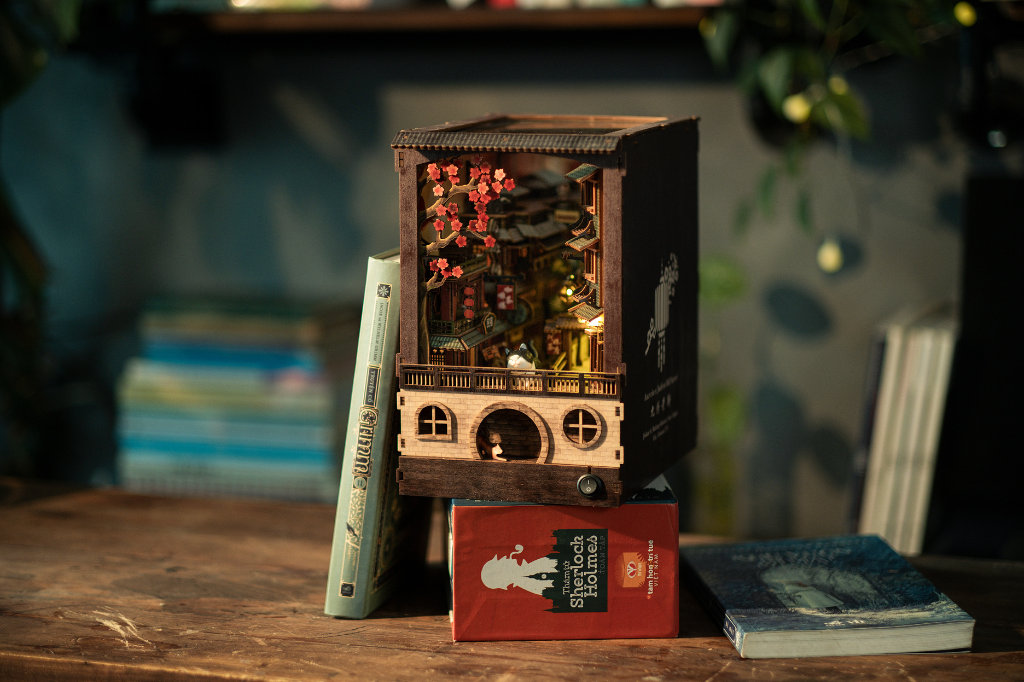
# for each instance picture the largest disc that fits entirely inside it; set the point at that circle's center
(525, 571)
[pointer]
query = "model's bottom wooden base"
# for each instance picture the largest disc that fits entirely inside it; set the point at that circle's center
(509, 481)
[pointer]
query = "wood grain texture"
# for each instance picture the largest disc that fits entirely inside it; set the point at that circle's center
(407, 164)
(104, 585)
(505, 481)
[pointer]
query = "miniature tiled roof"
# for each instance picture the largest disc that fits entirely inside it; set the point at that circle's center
(445, 342)
(586, 312)
(580, 243)
(582, 172)
(540, 230)
(564, 321)
(467, 339)
(475, 337)
(510, 234)
(536, 134)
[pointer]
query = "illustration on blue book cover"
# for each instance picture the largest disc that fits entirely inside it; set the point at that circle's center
(834, 583)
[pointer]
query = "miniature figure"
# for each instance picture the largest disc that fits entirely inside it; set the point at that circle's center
(521, 359)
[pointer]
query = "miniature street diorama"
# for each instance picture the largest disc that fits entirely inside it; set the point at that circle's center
(548, 306)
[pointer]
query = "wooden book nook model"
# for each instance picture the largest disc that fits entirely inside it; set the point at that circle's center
(548, 306)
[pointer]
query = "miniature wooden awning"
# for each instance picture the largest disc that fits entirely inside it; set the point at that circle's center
(580, 243)
(564, 322)
(439, 342)
(473, 337)
(582, 172)
(586, 312)
(587, 235)
(584, 292)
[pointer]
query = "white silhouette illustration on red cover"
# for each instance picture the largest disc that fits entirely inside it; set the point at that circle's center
(533, 576)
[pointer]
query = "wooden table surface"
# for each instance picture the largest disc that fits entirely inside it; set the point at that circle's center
(105, 585)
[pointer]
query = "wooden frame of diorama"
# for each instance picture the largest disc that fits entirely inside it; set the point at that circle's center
(638, 308)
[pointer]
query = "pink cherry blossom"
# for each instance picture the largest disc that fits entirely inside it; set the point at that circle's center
(489, 241)
(438, 224)
(499, 174)
(496, 186)
(457, 272)
(510, 184)
(446, 273)
(480, 207)
(485, 166)
(474, 173)
(442, 210)
(434, 171)
(474, 196)
(483, 218)
(433, 265)
(442, 263)
(451, 170)
(460, 240)
(456, 224)
(477, 159)
(438, 190)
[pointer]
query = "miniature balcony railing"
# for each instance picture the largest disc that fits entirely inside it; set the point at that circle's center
(494, 380)
(452, 327)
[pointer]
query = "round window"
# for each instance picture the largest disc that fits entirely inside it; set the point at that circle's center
(581, 426)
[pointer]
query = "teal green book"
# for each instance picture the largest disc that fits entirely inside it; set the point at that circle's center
(374, 530)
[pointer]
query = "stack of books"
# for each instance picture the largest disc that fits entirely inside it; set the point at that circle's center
(234, 398)
(906, 397)
(519, 570)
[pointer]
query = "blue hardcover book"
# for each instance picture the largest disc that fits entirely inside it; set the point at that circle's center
(839, 596)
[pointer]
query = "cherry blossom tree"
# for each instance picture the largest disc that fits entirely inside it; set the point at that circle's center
(482, 187)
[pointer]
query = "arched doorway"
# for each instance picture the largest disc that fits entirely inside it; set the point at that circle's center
(510, 432)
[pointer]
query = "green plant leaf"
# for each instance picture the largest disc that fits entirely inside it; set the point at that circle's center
(722, 280)
(775, 73)
(766, 192)
(60, 17)
(746, 77)
(810, 64)
(887, 22)
(803, 211)
(720, 37)
(727, 415)
(841, 114)
(811, 11)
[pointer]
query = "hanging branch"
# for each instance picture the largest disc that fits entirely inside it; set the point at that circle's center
(482, 188)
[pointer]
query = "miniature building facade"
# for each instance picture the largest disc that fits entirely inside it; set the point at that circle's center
(548, 306)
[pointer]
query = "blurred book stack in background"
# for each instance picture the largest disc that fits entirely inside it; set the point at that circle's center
(904, 407)
(236, 398)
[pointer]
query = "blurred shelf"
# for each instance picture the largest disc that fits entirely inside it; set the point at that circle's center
(435, 19)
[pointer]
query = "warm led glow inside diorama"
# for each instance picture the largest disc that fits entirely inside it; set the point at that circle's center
(512, 278)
